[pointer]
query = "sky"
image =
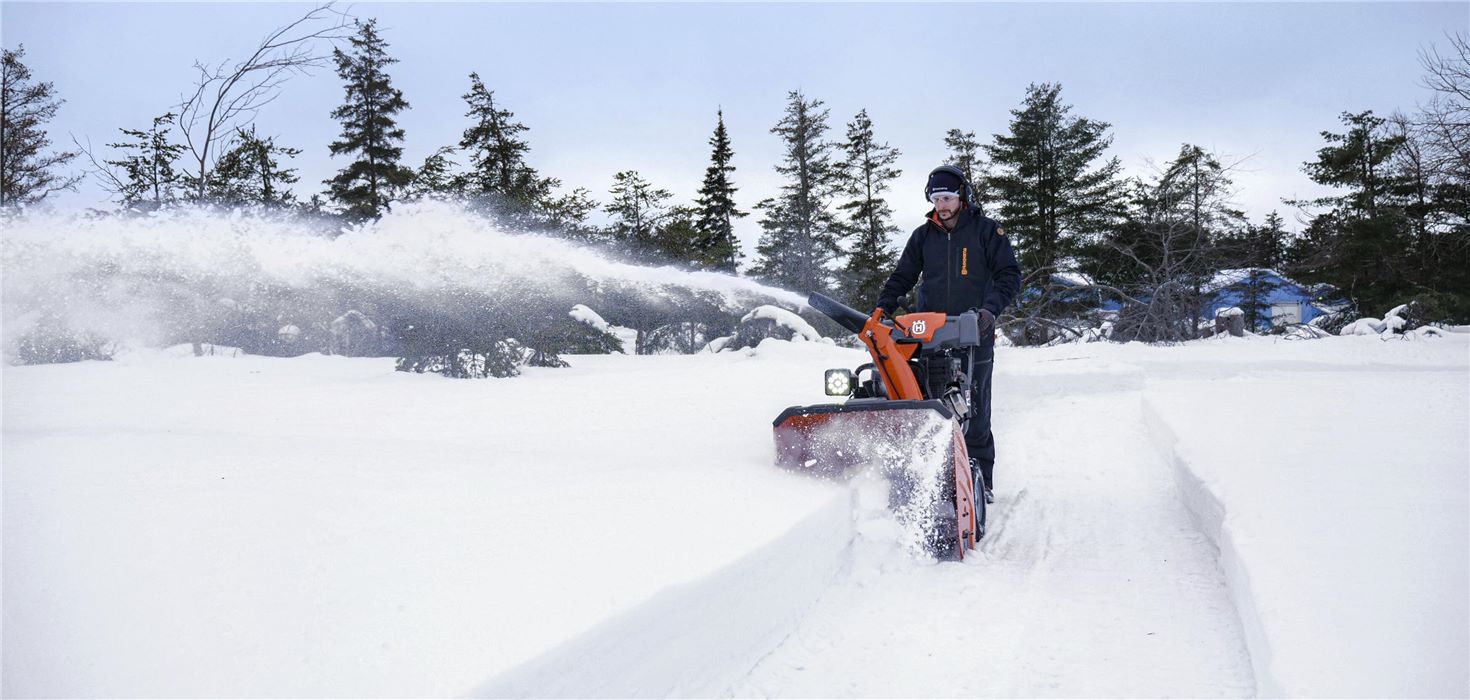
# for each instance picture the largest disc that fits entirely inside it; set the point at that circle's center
(610, 87)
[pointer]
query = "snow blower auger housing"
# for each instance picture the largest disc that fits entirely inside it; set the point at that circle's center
(917, 383)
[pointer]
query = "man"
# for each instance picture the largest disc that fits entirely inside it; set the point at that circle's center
(962, 261)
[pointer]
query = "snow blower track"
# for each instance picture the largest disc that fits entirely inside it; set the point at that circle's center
(1093, 582)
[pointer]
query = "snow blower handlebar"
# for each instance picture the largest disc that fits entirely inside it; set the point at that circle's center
(890, 357)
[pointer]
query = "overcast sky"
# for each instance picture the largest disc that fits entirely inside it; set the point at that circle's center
(610, 87)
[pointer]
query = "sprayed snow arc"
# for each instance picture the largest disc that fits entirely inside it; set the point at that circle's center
(1231, 517)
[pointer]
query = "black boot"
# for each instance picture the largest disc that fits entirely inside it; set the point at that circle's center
(977, 475)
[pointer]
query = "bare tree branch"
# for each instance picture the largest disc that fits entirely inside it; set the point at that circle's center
(227, 97)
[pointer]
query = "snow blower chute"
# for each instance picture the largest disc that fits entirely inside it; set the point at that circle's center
(911, 403)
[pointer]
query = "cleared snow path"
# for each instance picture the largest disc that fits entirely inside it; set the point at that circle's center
(1094, 580)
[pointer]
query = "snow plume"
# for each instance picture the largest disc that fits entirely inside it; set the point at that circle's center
(191, 275)
(899, 463)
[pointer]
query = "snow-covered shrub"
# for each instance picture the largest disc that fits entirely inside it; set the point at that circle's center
(1334, 321)
(353, 335)
(1301, 331)
(1366, 325)
(766, 322)
(454, 346)
(52, 341)
(1424, 333)
(591, 335)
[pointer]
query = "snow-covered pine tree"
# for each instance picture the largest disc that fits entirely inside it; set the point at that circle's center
(497, 154)
(638, 210)
(250, 172)
(864, 175)
(364, 189)
(717, 247)
(799, 238)
(26, 171)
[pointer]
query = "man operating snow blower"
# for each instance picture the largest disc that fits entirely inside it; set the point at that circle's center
(961, 261)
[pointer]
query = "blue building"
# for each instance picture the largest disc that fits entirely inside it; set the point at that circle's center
(1282, 298)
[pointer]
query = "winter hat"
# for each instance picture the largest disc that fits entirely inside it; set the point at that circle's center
(943, 181)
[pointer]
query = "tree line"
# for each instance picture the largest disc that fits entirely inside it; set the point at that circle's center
(1396, 229)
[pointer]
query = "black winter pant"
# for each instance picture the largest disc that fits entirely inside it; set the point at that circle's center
(978, 439)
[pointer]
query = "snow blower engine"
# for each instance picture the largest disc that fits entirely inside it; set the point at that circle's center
(910, 402)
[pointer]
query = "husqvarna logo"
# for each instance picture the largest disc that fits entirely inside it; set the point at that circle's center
(918, 328)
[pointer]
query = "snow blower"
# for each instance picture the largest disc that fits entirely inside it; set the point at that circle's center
(909, 403)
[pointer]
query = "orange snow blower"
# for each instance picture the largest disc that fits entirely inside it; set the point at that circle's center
(907, 407)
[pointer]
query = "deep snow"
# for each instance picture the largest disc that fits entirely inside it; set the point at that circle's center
(1222, 518)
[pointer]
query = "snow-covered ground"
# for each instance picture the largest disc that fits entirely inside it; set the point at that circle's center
(1230, 517)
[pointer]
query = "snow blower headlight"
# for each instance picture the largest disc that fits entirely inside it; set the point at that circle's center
(839, 382)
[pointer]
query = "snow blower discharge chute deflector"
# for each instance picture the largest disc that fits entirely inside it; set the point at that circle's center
(920, 373)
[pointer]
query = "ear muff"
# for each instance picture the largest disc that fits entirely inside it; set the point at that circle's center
(969, 190)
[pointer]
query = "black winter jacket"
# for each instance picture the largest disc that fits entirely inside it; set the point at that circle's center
(972, 266)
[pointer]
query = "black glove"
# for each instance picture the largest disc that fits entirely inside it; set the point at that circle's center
(987, 320)
(888, 306)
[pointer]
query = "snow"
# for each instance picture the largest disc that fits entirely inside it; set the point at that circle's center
(122, 275)
(785, 319)
(1226, 278)
(589, 317)
(325, 526)
(1228, 517)
(1364, 326)
(1232, 311)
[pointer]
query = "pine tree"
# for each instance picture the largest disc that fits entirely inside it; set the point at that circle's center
(865, 173)
(678, 237)
(964, 153)
(717, 247)
(148, 178)
(368, 184)
(497, 154)
(799, 237)
(569, 213)
(638, 209)
(26, 172)
(1361, 243)
(250, 172)
(1263, 249)
(434, 177)
(1055, 192)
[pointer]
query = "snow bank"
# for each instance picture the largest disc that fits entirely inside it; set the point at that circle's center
(1347, 558)
(698, 639)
